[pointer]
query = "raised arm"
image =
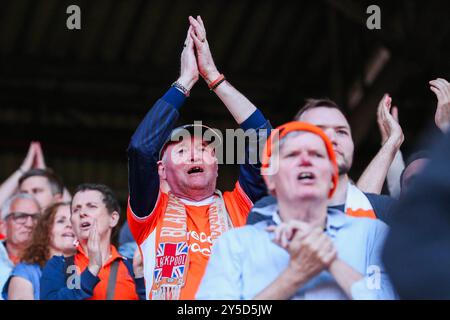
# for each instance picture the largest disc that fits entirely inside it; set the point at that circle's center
(149, 137)
(243, 111)
(372, 179)
(238, 105)
(393, 176)
(10, 185)
(441, 88)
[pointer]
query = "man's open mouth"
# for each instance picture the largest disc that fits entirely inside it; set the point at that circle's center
(195, 170)
(306, 176)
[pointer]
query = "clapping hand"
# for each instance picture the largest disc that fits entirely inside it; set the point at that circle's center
(441, 88)
(387, 118)
(205, 61)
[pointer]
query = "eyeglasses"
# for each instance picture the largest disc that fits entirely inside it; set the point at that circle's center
(22, 217)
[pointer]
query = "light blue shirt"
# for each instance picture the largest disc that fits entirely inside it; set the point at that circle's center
(245, 261)
(127, 249)
(6, 266)
(30, 272)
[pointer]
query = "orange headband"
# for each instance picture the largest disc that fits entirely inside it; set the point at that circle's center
(286, 128)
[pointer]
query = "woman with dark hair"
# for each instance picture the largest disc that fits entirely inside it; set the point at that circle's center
(53, 236)
(96, 271)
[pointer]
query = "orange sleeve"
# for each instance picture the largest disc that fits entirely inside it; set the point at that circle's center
(142, 227)
(238, 205)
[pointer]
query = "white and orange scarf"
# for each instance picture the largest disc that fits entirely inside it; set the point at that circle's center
(172, 247)
(357, 204)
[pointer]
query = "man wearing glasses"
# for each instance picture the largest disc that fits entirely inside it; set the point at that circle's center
(18, 219)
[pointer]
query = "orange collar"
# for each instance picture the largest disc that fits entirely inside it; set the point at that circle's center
(114, 254)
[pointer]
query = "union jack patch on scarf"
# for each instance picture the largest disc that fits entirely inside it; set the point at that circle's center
(171, 260)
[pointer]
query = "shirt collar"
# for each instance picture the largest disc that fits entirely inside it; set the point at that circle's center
(335, 219)
(276, 217)
(114, 254)
(205, 202)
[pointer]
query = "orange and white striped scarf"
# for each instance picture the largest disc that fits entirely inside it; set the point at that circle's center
(172, 247)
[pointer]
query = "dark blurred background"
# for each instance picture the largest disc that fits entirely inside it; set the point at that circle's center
(83, 92)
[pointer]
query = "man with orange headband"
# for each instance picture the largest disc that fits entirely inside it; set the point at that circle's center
(348, 197)
(306, 251)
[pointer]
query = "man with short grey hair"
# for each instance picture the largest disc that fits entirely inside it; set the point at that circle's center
(18, 218)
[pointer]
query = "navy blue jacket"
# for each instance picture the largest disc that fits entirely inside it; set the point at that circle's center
(54, 282)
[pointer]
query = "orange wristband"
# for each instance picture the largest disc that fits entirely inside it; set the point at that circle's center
(216, 82)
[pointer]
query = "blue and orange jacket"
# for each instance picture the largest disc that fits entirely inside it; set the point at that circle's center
(55, 280)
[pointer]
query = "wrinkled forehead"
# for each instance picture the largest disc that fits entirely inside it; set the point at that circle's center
(325, 117)
(302, 140)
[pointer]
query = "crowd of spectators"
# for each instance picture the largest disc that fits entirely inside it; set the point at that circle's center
(295, 226)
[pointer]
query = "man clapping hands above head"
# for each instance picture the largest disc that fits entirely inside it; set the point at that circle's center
(180, 223)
